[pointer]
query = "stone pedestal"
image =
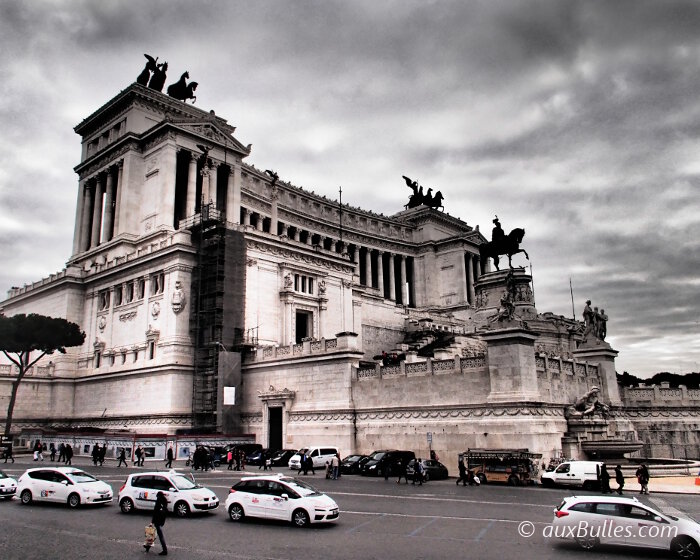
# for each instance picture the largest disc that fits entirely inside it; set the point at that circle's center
(511, 359)
(599, 352)
(491, 286)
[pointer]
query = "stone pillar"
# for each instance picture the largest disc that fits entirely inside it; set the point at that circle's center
(477, 266)
(77, 242)
(470, 278)
(259, 225)
(380, 273)
(402, 273)
(205, 184)
(97, 213)
(285, 230)
(247, 215)
(600, 352)
(273, 210)
(109, 207)
(368, 268)
(511, 359)
(233, 194)
(191, 186)
(297, 234)
(117, 198)
(88, 198)
(309, 237)
(392, 277)
(213, 182)
(462, 282)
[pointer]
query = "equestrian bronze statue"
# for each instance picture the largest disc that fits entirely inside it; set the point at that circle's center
(502, 244)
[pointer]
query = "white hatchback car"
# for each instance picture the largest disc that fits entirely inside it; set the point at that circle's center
(183, 493)
(280, 497)
(8, 486)
(63, 484)
(594, 520)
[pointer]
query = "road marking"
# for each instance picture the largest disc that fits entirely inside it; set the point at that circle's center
(450, 517)
(424, 526)
(356, 527)
(484, 531)
(441, 499)
(662, 504)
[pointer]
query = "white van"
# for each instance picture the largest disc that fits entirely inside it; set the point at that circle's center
(318, 453)
(573, 473)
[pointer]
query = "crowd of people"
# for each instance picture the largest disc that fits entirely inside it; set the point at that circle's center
(604, 478)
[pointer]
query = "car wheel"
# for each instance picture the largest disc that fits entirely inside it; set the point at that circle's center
(587, 542)
(126, 505)
(426, 477)
(513, 480)
(547, 483)
(684, 547)
(482, 478)
(73, 500)
(181, 509)
(300, 518)
(587, 485)
(236, 513)
(26, 497)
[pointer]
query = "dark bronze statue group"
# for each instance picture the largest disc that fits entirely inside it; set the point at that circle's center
(502, 244)
(154, 74)
(419, 197)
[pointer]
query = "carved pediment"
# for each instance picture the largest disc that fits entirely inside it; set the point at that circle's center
(214, 134)
(276, 394)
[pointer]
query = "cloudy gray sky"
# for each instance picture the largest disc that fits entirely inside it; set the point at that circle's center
(579, 121)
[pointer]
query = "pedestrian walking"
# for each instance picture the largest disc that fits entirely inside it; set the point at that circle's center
(643, 479)
(169, 456)
(335, 463)
(69, 454)
(401, 471)
(52, 452)
(103, 454)
(604, 479)
(160, 512)
(8, 452)
(95, 454)
(229, 459)
(418, 472)
(139, 456)
(122, 457)
(38, 448)
(620, 479)
(462, 471)
(61, 452)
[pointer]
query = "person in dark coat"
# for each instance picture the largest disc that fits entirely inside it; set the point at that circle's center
(61, 452)
(620, 479)
(122, 457)
(604, 479)
(401, 471)
(643, 479)
(52, 450)
(462, 472)
(160, 512)
(8, 452)
(169, 457)
(68, 452)
(95, 454)
(103, 453)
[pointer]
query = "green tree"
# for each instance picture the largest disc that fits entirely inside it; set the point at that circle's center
(24, 335)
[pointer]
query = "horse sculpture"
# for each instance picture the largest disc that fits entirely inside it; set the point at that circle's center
(157, 81)
(509, 245)
(182, 90)
(418, 198)
(151, 66)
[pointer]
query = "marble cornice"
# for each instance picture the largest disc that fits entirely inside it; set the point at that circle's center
(107, 157)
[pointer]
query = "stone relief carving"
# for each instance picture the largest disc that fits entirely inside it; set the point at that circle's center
(178, 300)
(155, 310)
(102, 323)
(127, 316)
(588, 405)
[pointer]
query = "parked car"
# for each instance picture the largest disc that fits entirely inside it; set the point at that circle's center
(319, 455)
(433, 470)
(8, 486)
(574, 473)
(182, 492)
(255, 458)
(352, 463)
(380, 461)
(625, 521)
(280, 497)
(281, 458)
(64, 485)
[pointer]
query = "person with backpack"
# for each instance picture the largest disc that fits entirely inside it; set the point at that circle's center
(418, 471)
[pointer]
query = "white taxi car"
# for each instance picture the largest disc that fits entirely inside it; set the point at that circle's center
(63, 484)
(280, 497)
(625, 521)
(182, 492)
(8, 486)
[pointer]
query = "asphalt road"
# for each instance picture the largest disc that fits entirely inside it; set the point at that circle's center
(379, 520)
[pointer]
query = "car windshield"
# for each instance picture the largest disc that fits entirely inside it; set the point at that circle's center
(352, 458)
(3, 475)
(182, 482)
(378, 455)
(300, 487)
(80, 477)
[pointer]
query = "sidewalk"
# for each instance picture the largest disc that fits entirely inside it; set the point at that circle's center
(661, 485)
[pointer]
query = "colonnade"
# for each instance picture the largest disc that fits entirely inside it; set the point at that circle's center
(98, 207)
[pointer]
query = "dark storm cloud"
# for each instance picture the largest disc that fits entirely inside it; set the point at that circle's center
(576, 120)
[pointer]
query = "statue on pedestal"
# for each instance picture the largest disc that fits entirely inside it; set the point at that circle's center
(502, 244)
(588, 405)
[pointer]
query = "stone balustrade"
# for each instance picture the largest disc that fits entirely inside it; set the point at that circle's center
(344, 342)
(559, 366)
(660, 395)
(34, 371)
(452, 366)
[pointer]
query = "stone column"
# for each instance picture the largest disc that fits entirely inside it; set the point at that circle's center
(470, 278)
(117, 197)
(205, 184)
(109, 207)
(97, 212)
(233, 194)
(259, 225)
(380, 273)
(402, 273)
(368, 268)
(273, 210)
(88, 197)
(297, 233)
(191, 186)
(247, 215)
(477, 267)
(392, 277)
(285, 230)
(77, 231)
(213, 182)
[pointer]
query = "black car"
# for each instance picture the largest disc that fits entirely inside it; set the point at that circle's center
(281, 458)
(432, 470)
(352, 464)
(381, 462)
(255, 458)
